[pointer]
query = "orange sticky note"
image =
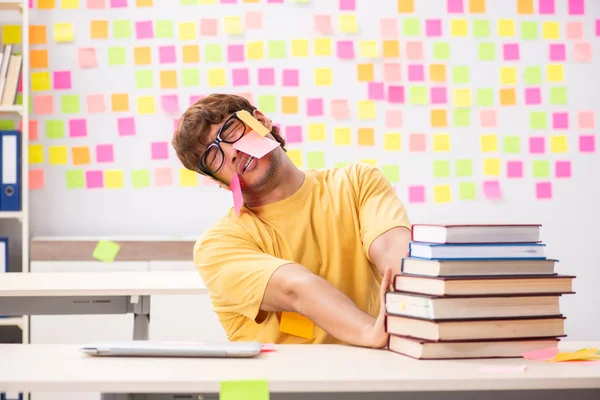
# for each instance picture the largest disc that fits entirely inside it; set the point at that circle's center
(252, 123)
(296, 324)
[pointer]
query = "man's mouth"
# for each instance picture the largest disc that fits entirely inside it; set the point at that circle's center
(248, 163)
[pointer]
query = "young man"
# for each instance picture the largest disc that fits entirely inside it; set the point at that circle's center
(314, 244)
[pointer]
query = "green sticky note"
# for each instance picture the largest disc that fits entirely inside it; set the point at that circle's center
(511, 144)
(411, 27)
(106, 250)
(277, 49)
(315, 159)
(55, 129)
(267, 102)
(116, 56)
(70, 103)
(190, 77)
(487, 51)
(558, 96)
(7, 124)
(244, 390)
(392, 172)
(418, 95)
(462, 117)
(140, 178)
(481, 28)
(532, 76)
(213, 53)
(441, 168)
(75, 179)
(529, 30)
(441, 51)
(143, 79)
(163, 29)
(122, 29)
(541, 169)
(538, 120)
(19, 99)
(464, 167)
(485, 97)
(467, 191)
(460, 74)
(188, 2)
(341, 164)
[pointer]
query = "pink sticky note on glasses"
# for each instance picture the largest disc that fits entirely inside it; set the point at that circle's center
(255, 145)
(236, 190)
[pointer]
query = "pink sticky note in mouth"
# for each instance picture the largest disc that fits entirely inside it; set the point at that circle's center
(255, 145)
(236, 190)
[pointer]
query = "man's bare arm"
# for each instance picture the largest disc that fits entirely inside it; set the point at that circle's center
(389, 248)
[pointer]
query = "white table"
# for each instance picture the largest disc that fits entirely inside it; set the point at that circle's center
(290, 369)
(70, 293)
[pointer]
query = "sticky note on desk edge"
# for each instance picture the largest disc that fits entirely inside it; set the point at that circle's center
(106, 250)
(296, 324)
(257, 389)
(252, 122)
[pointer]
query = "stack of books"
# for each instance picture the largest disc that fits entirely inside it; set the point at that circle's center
(475, 291)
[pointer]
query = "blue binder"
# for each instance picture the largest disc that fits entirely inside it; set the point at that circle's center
(10, 184)
(3, 261)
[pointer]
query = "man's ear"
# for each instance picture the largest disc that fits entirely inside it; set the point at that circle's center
(262, 119)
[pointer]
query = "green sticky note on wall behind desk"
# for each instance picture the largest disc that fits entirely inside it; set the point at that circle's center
(106, 250)
(244, 390)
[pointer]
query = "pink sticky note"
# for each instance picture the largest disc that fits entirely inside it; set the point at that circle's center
(537, 145)
(240, 76)
(514, 169)
(340, 109)
(95, 4)
(255, 145)
(235, 53)
(33, 130)
(95, 103)
(416, 194)
(62, 79)
(322, 24)
(208, 27)
(433, 27)
(557, 52)
(393, 119)
(587, 143)
(392, 72)
(144, 30)
(388, 28)
(533, 96)
(36, 179)
(104, 153)
(560, 120)
(253, 20)
(126, 126)
(376, 91)
(582, 52)
(118, 3)
(417, 142)
(43, 104)
(576, 7)
(159, 150)
(170, 103)
(266, 76)
(488, 118)
(455, 6)
(94, 179)
(503, 369)
(236, 191)
(492, 190)
(586, 119)
(395, 94)
(511, 52)
(416, 73)
(574, 30)
(86, 56)
(77, 127)
(293, 134)
(562, 169)
(347, 5)
(543, 190)
(314, 107)
(290, 77)
(166, 54)
(345, 49)
(546, 7)
(414, 50)
(598, 27)
(438, 95)
(228, 1)
(163, 176)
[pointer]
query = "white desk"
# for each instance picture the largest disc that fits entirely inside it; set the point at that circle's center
(69, 293)
(308, 369)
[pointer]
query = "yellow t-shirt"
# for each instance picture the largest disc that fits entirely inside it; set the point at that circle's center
(327, 226)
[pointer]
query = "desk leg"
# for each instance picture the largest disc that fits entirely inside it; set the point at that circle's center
(141, 317)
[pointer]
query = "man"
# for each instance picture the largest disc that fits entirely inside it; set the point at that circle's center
(315, 244)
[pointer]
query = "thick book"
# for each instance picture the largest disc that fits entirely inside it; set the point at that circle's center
(475, 329)
(462, 251)
(476, 233)
(483, 286)
(468, 307)
(477, 267)
(428, 350)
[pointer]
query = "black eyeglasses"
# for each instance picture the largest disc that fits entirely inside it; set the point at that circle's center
(230, 132)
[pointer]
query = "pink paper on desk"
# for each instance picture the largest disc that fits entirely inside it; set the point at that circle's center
(542, 354)
(236, 190)
(255, 145)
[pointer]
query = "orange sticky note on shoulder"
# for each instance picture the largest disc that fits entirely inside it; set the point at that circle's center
(296, 324)
(252, 123)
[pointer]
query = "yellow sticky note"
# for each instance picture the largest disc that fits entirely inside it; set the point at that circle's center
(187, 31)
(190, 53)
(555, 73)
(462, 97)
(406, 6)
(391, 48)
(439, 118)
(558, 144)
(441, 142)
(342, 136)
(40, 81)
(63, 32)
(299, 47)
(370, 161)
(322, 47)
(289, 104)
(11, 34)
(113, 179)
(366, 110)
(255, 50)
(437, 72)
(459, 27)
(99, 29)
(142, 55)
(323, 76)
(365, 72)
(72, 4)
(581, 354)
(36, 154)
(57, 155)
(348, 23)
(252, 122)
(489, 143)
(368, 49)
(392, 142)
(296, 324)
(508, 75)
(187, 178)
(216, 77)
(442, 193)
(145, 105)
(491, 167)
(316, 132)
(296, 156)
(120, 102)
(506, 28)
(508, 97)
(233, 25)
(168, 79)
(106, 250)
(551, 30)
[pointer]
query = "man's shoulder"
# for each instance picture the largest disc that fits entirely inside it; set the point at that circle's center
(351, 172)
(227, 227)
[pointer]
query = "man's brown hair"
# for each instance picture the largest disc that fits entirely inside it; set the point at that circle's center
(192, 134)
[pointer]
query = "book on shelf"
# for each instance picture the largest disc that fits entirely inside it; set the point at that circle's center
(11, 68)
(482, 233)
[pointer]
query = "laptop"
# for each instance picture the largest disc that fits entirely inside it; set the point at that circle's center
(149, 348)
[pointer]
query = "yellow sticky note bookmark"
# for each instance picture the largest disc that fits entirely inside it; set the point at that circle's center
(252, 122)
(106, 250)
(296, 324)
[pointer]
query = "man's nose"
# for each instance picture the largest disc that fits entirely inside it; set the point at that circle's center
(230, 152)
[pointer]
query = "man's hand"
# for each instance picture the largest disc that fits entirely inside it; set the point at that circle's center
(376, 334)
